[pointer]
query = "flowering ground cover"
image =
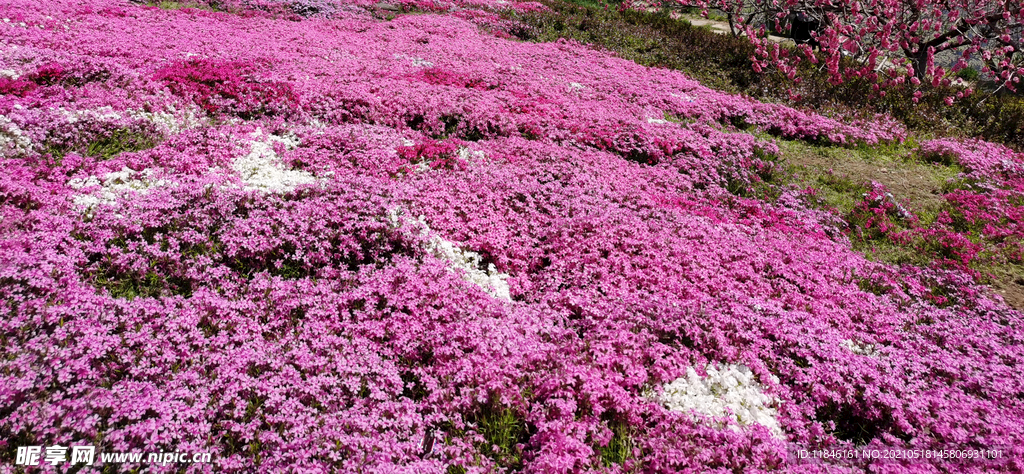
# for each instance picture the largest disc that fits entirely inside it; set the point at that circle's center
(318, 240)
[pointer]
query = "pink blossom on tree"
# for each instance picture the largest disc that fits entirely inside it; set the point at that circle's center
(898, 36)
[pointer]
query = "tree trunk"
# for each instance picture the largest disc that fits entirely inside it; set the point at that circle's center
(732, 26)
(919, 61)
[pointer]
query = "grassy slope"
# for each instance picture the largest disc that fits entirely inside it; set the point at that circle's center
(840, 176)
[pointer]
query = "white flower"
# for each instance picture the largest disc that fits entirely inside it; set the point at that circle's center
(114, 185)
(468, 155)
(168, 122)
(468, 263)
(418, 62)
(12, 139)
(263, 170)
(685, 97)
(728, 391)
(101, 114)
(860, 349)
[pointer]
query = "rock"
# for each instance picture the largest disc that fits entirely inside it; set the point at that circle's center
(391, 7)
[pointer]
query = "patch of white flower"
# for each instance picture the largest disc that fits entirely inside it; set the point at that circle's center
(167, 122)
(576, 86)
(657, 121)
(729, 391)
(471, 155)
(114, 185)
(13, 140)
(9, 73)
(466, 154)
(684, 97)
(261, 169)
(418, 62)
(171, 121)
(490, 279)
(859, 349)
(101, 114)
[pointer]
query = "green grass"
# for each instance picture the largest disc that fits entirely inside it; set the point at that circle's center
(841, 175)
(601, 4)
(503, 429)
(104, 146)
(174, 5)
(840, 178)
(119, 141)
(620, 447)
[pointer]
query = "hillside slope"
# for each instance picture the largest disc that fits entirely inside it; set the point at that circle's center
(341, 242)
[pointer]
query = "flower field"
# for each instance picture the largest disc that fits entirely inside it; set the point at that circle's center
(308, 236)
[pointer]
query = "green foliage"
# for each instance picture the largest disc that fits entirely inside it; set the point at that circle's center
(620, 447)
(848, 423)
(130, 285)
(104, 145)
(120, 140)
(873, 285)
(503, 429)
(1000, 119)
(944, 159)
(602, 4)
(162, 277)
(196, 5)
(279, 263)
(968, 74)
(960, 183)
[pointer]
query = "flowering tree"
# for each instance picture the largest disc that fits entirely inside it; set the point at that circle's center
(899, 38)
